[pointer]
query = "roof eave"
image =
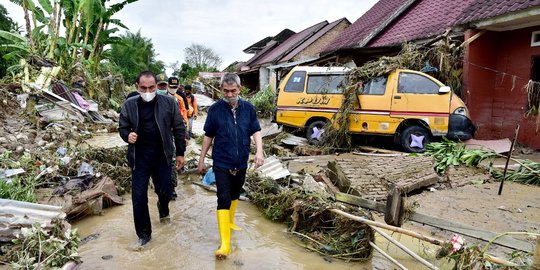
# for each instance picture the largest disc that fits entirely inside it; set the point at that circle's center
(510, 21)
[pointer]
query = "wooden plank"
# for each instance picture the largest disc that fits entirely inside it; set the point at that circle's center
(505, 241)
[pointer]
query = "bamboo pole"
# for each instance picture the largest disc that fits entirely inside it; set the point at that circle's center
(536, 258)
(405, 249)
(434, 241)
(387, 256)
(389, 227)
(508, 159)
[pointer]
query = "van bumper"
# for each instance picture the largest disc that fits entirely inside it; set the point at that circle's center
(460, 127)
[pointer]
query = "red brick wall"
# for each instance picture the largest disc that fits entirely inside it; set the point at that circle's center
(497, 66)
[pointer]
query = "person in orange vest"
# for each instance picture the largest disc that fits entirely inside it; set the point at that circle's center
(171, 87)
(192, 110)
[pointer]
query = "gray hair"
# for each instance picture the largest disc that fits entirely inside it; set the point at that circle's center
(230, 78)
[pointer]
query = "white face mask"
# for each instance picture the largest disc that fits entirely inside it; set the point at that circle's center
(148, 96)
(232, 100)
(171, 91)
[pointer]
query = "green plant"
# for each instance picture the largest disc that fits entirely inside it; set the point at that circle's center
(37, 248)
(264, 102)
(449, 153)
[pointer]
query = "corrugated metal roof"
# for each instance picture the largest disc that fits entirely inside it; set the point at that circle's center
(273, 168)
(294, 140)
(16, 215)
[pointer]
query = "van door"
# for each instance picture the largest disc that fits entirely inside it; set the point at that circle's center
(417, 96)
(373, 114)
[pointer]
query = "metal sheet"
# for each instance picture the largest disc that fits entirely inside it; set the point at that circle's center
(273, 168)
(15, 215)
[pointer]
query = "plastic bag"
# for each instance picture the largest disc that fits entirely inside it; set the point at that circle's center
(209, 178)
(85, 169)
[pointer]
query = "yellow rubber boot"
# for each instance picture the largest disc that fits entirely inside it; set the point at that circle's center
(231, 215)
(224, 233)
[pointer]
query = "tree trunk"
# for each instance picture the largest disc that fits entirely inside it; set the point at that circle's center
(53, 34)
(96, 39)
(28, 26)
(77, 33)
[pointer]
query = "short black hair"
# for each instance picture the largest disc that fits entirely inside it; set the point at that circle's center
(187, 87)
(146, 73)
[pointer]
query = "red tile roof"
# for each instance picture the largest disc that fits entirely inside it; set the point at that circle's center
(289, 44)
(423, 19)
(484, 9)
(312, 39)
(365, 25)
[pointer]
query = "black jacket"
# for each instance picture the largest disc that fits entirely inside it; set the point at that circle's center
(169, 122)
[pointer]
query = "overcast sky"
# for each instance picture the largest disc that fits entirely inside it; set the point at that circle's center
(226, 26)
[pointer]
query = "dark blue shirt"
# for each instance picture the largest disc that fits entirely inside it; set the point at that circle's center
(231, 134)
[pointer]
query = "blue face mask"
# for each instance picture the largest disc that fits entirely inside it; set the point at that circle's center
(161, 92)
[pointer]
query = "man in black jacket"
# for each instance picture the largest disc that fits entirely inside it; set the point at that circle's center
(149, 122)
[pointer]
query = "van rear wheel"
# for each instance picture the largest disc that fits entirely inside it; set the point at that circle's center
(315, 126)
(414, 139)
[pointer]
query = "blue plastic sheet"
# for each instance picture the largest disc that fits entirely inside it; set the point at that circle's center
(209, 178)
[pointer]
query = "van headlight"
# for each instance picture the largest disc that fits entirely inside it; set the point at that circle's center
(462, 111)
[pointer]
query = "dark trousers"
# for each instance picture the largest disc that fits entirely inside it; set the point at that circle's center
(228, 186)
(149, 163)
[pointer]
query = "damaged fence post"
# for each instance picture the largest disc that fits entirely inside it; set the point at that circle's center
(508, 159)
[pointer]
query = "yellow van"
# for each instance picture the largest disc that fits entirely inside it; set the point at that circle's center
(409, 105)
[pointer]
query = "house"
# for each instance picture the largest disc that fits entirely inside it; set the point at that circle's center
(502, 53)
(498, 66)
(273, 59)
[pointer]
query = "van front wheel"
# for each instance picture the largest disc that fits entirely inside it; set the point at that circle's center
(414, 139)
(315, 126)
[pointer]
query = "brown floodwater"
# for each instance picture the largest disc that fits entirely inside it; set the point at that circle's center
(191, 238)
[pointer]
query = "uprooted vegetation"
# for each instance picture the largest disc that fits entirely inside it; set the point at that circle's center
(449, 153)
(308, 217)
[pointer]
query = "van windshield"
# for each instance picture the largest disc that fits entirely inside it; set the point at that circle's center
(326, 84)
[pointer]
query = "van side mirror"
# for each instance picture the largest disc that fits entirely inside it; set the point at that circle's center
(444, 89)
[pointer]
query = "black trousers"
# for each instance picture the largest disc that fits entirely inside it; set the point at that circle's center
(228, 186)
(149, 163)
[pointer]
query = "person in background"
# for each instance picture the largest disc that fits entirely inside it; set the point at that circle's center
(192, 110)
(161, 84)
(172, 87)
(229, 124)
(148, 123)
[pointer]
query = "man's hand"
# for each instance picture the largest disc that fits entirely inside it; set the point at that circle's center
(259, 159)
(132, 137)
(179, 162)
(195, 117)
(201, 167)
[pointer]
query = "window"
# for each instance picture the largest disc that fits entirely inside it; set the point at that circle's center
(296, 82)
(416, 84)
(535, 38)
(326, 84)
(376, 86)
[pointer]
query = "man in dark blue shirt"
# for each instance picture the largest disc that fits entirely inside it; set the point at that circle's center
(149, 123)
(229, 124)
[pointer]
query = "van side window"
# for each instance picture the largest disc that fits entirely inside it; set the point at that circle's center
(376, 86)
(416, 84)
(296, 82)
(326, 84)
